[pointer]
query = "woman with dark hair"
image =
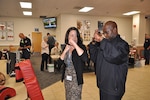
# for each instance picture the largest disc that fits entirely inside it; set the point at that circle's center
(73, 57)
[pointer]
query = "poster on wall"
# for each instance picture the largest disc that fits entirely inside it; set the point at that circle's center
(6, 30)
(84, 29)
(10, 31)
(10, 35)
(2, 30)
(2, 35)
(3, 26)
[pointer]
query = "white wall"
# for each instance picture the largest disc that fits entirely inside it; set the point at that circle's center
(139, 29)
(64, 21)
(142, 30)
(135, 31)
(147, 26)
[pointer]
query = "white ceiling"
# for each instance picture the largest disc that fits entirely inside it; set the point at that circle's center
(50, 8)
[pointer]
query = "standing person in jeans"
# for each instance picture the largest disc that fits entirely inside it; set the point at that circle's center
(51, 42)
(73, 57)
(25, 45)
(147, 49)
(111, 58)
(44, 52)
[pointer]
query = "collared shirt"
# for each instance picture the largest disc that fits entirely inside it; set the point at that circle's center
(25, 42)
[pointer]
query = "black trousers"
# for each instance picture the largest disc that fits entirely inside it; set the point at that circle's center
(25, 54)
(147, 56)
(50, 48)
(44, 61)
(105, 96)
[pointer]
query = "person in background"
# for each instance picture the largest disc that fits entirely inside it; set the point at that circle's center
(25, 45)
(44, 52)
(73, 57)
(147, 49)
(51, 42)
(111, 58)
(95, 41)
(56, 50)
(1, 55)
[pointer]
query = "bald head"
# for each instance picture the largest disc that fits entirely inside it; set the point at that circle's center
(111, 24)
(110, 29)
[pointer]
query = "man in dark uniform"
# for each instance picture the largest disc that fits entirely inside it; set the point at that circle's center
(25, 45)
(147, 49)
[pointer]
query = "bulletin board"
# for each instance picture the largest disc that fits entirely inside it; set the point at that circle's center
(84, 29)
(6, 31)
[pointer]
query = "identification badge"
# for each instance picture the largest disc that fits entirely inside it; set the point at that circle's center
(69, 78)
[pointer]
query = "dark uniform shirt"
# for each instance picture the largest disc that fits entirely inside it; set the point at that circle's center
(26, 52)
(146, 51)
(146, 43)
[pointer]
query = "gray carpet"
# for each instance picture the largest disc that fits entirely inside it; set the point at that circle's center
(44, 78)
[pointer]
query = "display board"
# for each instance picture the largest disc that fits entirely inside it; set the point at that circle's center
(6, 30)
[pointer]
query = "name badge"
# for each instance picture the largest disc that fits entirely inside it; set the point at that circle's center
(69, 78)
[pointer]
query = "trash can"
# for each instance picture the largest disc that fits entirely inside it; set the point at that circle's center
(50, 67)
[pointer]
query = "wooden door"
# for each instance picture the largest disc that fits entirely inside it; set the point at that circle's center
(36, 41)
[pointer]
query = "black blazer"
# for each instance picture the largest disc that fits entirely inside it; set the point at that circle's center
(78, 62)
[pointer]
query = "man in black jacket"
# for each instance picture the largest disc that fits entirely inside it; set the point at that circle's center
(111, 58)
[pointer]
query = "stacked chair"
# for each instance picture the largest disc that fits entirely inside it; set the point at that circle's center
(27, 73)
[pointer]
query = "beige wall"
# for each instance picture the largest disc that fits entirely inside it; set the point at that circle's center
(147, 26)
(67, 20)
(64, 21)
(25, 25)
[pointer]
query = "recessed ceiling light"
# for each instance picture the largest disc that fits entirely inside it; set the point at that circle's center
(131, 13)
(26, 4)
(86, 9)
(27, 13)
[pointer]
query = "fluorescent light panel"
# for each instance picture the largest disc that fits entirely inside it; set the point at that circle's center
(27, 13)
(26, 4)
(86, 9)
(131, 13)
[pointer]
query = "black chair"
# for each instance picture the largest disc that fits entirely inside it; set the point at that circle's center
(11, 62)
